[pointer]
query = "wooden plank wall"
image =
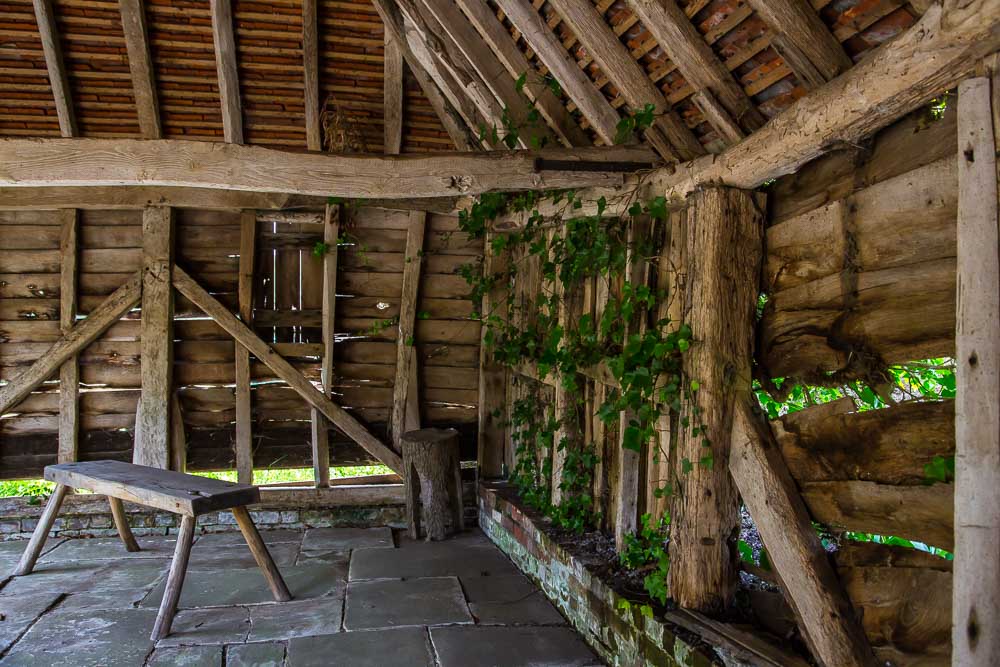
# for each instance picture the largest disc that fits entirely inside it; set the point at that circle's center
(207, 247)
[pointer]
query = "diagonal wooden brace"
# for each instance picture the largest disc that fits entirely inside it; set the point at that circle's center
(190, 288)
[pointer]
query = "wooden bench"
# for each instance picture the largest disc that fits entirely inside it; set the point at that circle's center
(187, 495)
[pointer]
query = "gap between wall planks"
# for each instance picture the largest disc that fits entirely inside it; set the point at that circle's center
(405, 392)
(69, 372)
(976, 579)
(244, 415)
(156, 340)
(319, 423)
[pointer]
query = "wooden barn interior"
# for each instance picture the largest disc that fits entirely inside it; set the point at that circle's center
(245, 238)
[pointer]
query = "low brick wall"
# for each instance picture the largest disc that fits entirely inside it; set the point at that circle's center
(88, 515)
(622, 636)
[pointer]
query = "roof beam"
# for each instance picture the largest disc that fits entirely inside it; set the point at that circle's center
(310, 67)
(942, 48)
(49, 33)
(492, 72)
(501, 43)
(393, 83)
(118, 197)
(225, 64)
(77, 162)
(452, 121)
(668, 134)
(141, 67)
(592, 104)
(803, 40)
(699, 65)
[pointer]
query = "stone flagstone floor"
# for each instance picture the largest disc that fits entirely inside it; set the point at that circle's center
(359, 599)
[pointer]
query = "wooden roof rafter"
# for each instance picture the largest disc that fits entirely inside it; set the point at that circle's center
(141, 67)
(229, 78)
(49, 33)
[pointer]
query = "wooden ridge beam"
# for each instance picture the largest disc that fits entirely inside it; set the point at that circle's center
(808, 580)
(900, 76)
(141, 67)
(80, 336)
(700, 67)
(976, 592)
(48, 31)
(506, 50)
(69, 372)
(404, 388)
(532, 133)
(451, 118)
(351, 427)
(77, 162)
(310, 69)
(225, 65)
(803, 40)
(591, 102)
(668, 133)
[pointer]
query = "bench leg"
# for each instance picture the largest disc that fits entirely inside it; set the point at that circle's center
(261, 555)
(121, 523)
(175, 580)
(34, 549)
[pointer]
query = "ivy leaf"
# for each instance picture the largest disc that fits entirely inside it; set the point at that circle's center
(521, 80)
(746, 552)
(632, 438)
(686, 466)
(707, 462)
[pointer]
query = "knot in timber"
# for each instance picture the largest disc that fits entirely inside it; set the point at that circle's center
(461, 183)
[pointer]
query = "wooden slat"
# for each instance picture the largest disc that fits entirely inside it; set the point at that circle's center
(803, 40)
(976, 599)
(310, 67)
(167, 490)
(46, 162)
(114, 198)
(393, 81)
(225, 65)
(320, 426)
(141, 67)
(244, 416)
(69, 372)
(807, 579)
(505, 48)
(668, 134)
(152, 428)
(48, 31)
(492, 375)
(284, 370)
(594, 106)
(84, 333)
(700, 67)
(405, 344)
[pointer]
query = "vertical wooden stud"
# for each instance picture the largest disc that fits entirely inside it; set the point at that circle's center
(69, 372)
(492, 375)
(320, 425)
(244, 416)
(405, 337)
(976, 583)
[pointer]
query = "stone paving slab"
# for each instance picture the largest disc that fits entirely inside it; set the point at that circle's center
(495, 645)
(231, 539)
(345, 539)
(402, 646)
(111, 548)
(118, 638)
(225, 625)
(392, 603)
(61, 577)
(19, 612)
(463, 556)
(509, 599)
(186, 656)
(123, 599)
(238, 556)
(215, 588)
(340, 558)
(285, 620)
(268, 654)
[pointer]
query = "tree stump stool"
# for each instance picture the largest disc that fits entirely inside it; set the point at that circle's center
(432, 471)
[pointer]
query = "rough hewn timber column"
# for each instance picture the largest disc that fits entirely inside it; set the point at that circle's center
(724, 252)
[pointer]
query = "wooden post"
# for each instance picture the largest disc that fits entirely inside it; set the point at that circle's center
(567, 400)
(976, 583)
(152, 422)
(244, 414)
(724, 253)
(320, 425)
(178, 437)
(492, 375)
(69, 372)
(404, 391)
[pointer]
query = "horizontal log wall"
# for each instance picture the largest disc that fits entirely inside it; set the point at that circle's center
(207, 246)
(860, 274)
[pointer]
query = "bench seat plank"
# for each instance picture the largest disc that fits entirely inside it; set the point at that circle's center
(176, 492)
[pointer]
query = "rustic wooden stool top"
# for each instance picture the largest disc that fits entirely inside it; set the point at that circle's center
(432, 471)
(177, 492)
